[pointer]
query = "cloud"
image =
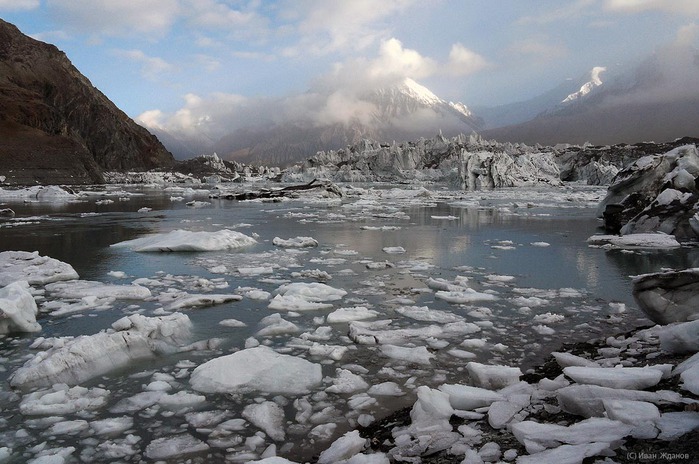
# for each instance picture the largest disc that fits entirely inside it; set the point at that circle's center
(682, 7)
(463, 61)
(573, 10)
(687, 34)
(116, 17)
(18, 5)
(152, 68)
(395, 62)
(538, 48)
(340, 96)
(328, 26)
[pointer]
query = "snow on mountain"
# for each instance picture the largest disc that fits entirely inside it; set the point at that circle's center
(402, 111)
(656, 99)
(587, 87)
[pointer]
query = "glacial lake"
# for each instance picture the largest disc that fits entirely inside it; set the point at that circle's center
(526, 248)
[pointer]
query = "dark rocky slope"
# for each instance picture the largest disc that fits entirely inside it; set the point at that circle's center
(55, 126)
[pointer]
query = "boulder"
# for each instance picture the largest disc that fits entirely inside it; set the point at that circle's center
(656, 193)
(667, 297)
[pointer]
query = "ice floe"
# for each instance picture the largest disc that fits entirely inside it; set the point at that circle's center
(185, 240)
(18, 309)
(33, 268)
(258, 369)
(131, 338)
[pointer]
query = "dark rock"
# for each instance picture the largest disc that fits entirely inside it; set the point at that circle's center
(656, 193)
(668, 297)
(613, 217)
(55, 126)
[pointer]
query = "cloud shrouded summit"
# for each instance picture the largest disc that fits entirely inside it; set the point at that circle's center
(345, 96)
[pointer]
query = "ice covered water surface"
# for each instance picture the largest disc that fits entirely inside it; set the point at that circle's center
(363, 338)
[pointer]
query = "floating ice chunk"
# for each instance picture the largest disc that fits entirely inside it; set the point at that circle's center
(77, 289)
(501, 413)
(255, 271)
(540, 244)
(632, 378)
(181, 400)
(493, 376)
(272, 460)
(394, 250)
(500, 278)
(46, 193)
(386, 389)
(174, 447)
(377, 265)
(346, 381)
(343, 448)
(588, 400)
(232, 323)
(274, 324)
(111, 425)
(18, 309)
(673, 425)
(468, 398)
(680, 338)
(689, 374)
(335, 352)
(423, 313)
(60, 400)
(373, 333)
(543, 329)
(253, 293)
(355, 313)
(634, 241)
(418, 355)
(137, 402)
(430, 413)
(298, 242)
(631, 412)
(568, 359)
(71, 427)
(467, 295)
(446, 218)
(133, 338)
(295, 303)
(548, 318)
(301, 296)
(198, 204)
(313, 292)
(35, 269)
(256, 369)
(461, 354)
(565, 454)
(184, 240)
(536, 436)
(188, 300)
(268, 416)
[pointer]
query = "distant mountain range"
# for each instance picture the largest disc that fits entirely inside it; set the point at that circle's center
(657, 100)
(404, 111)
(56, 127)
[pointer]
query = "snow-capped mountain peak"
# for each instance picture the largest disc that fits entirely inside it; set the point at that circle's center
(461, 108)
(587, 87)
(419, 93)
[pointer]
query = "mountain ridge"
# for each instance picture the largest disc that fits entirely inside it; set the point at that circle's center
(56, 126)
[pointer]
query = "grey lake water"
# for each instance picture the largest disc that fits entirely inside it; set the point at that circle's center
(527, 247)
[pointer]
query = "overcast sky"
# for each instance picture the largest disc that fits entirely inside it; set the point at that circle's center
(161, 59)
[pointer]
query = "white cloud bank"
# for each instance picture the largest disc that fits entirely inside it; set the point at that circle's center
(340, 96)
(18, 5)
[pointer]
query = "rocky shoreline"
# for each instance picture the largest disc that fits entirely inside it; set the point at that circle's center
(681, 450)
